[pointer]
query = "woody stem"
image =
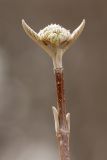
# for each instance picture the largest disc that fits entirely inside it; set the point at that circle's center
(63, 131)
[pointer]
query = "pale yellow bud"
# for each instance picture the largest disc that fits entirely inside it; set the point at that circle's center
(54, 39)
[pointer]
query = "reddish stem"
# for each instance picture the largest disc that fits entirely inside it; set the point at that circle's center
(63, 131)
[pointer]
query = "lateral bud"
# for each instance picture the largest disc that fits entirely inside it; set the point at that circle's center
(55, 113)
(68, 121)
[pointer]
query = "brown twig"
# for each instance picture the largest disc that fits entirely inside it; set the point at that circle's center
(62, 118)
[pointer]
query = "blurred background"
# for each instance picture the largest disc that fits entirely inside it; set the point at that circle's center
(27, 84)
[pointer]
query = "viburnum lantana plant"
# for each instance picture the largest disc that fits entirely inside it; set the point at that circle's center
(55, 40)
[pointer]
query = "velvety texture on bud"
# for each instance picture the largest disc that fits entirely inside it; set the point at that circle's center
(54, 39)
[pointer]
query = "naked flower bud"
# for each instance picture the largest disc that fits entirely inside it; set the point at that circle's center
(54, 39)
(54, 35)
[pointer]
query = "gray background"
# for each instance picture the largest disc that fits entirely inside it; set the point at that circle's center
(27, 86)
